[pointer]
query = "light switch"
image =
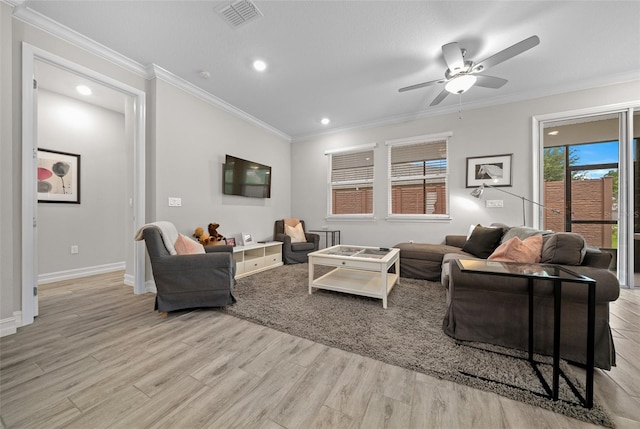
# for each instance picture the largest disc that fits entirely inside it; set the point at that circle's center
(495, 203)
(175, 202)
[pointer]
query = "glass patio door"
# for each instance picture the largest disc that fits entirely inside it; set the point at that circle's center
(582, 161)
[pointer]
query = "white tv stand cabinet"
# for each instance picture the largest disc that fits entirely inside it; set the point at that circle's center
(257, 257)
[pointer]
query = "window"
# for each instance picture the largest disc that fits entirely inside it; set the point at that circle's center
(351, 181)
(418, 177)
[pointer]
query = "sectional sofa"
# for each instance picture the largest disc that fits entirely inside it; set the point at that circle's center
(494, 309)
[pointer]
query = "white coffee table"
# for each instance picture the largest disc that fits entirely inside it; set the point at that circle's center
(360, 270)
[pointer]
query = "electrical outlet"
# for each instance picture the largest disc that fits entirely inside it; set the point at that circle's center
(175, 202)
(495, 203)
(74, 249)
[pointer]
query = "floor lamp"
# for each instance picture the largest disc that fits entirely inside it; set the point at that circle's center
(477, 193)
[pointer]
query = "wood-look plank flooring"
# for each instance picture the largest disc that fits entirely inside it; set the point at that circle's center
(98, 356)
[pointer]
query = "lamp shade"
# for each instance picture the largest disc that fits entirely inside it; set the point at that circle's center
(460, 84)
(477, 193)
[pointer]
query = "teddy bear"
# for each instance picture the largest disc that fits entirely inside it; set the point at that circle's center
(215, 237)
(202, 237)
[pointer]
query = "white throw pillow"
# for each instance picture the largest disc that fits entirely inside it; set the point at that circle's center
(296, 233)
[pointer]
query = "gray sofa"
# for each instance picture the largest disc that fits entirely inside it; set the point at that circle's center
(494, 309)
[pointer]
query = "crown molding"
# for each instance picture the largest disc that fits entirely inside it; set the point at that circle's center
(158, 72)
(474, 105)
(152, 71)
(56, 29)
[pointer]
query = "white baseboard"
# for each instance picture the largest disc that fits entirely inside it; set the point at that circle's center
(149, 285)
(80, 272)
(129, 280)
(10, 325)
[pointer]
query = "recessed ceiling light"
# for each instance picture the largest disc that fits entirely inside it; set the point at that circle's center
(325, 121)
(84, 90)
(259, 65)
(553, 133)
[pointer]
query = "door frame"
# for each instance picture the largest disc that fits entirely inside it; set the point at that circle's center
(625, 200)
(29, 268)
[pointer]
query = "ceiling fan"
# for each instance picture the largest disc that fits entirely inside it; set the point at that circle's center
(463, 74)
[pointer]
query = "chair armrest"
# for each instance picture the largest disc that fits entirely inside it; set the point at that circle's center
(187, 273)
(218, 248)
(285, 239)
(312, 238)
(200, 262)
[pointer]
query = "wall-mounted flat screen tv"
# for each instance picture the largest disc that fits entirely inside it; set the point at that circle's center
(246, 178)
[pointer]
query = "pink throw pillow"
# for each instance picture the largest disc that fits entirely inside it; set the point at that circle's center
(186, 246)
(516, 250)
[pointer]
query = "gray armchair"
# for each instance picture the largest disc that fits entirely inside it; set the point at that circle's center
(190, 281)
(295, 253)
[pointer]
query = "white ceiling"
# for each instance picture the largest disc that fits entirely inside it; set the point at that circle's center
(347, 59)
(63, 82)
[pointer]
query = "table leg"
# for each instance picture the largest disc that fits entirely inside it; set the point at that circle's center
(557, 306)
(310, 276)
(530, 320)
(383, 282)
(591, 322)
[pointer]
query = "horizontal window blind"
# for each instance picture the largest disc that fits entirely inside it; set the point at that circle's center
(351, 183)
(418, 177)
(352, 166)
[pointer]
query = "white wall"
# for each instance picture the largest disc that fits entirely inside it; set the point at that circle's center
(10, 263)
(503, 129)
(192, 139)
(97, 225)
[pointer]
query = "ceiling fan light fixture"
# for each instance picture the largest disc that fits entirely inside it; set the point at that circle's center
(460, 84)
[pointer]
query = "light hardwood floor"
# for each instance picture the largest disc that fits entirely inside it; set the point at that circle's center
(99, 356)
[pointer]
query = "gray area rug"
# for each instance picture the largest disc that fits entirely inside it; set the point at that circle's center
(407, 334)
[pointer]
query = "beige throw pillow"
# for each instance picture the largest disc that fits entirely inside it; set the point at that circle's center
(296, 233)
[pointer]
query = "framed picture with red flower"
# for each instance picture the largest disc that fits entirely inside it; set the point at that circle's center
(58, 177)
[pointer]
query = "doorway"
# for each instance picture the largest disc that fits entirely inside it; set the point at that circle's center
(586, 173)
(135, 115)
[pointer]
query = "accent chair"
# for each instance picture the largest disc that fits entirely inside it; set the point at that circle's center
(190, 280)
(295, 253)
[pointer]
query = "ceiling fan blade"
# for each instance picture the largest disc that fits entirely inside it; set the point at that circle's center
(440, 97)
(490, 81)
(453, 57)
(507, 53)
(420, 85)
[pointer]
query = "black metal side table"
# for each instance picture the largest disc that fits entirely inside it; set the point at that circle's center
(556, 275)
(334, 233)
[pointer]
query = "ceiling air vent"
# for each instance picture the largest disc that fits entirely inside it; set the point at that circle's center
(239, 12)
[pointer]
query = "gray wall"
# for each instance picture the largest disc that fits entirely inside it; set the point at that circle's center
(192, 139)
(97, 225)
(9, 223)
(488, 131)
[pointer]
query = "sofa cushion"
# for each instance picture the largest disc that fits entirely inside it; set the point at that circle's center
(483, 241)
(516, 250)
(522, 232)
(566, 248)
(424, 251)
